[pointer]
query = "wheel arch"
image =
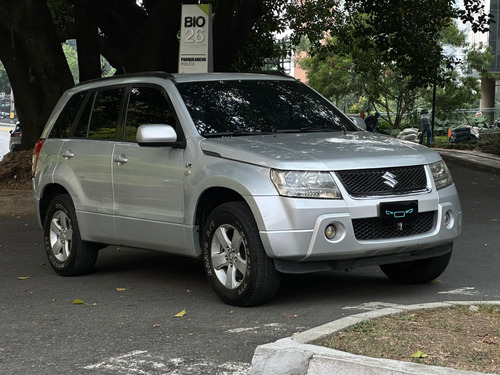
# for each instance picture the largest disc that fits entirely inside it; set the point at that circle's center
(211, 198)
(49, 193)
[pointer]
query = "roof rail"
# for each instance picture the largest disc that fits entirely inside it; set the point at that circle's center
(156, 73)
(275, 73)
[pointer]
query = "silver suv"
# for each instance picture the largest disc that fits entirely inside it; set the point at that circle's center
(256, 175)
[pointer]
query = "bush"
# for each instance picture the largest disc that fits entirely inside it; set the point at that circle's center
(383, 127)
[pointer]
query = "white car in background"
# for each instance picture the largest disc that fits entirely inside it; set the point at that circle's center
(15, 138)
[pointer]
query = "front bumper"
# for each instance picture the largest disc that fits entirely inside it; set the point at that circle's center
(294, 229)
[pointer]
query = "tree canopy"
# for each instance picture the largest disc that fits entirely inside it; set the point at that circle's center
(385, 86)
(142, 36)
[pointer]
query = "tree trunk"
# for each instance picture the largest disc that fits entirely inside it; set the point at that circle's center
(87, 40)
(35, 64)
(231, 29)
(156, 46)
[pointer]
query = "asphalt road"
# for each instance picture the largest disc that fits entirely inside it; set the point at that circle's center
(126, 324)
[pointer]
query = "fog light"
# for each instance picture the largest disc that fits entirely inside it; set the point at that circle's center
(447, 218)
(330, 232)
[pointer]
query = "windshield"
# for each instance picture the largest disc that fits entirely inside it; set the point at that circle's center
(246, 107)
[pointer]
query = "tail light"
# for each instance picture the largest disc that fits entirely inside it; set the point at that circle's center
(36, 154)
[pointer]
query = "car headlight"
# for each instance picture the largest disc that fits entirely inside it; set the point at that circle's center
(305, 184)
(441, 174)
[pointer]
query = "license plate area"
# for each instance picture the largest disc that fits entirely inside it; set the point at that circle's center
(394, 213)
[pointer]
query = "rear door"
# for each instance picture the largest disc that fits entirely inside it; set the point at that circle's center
(85, 163)
(148, 180)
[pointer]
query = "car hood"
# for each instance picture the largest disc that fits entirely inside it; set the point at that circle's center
(320, 151)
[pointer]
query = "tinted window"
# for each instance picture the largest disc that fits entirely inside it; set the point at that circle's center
(82, 126)
(251, 106)
(147, 105)
(99, 118)
(65, 120)
(104, 119)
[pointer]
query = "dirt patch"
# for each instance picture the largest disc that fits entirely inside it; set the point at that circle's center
(15, 170)
(461, 337)
(15, 183)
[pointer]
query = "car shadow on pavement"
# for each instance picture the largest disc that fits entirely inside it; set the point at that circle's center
(367, 284)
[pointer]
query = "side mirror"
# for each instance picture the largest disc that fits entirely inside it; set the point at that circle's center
(156, 134)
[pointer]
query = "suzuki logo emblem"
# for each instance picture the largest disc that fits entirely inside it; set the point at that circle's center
(390, 179)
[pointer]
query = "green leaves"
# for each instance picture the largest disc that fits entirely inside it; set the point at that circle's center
(180, 314)
(419, 354)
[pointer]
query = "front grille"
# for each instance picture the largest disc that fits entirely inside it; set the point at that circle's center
(370, 229)
(370, 182)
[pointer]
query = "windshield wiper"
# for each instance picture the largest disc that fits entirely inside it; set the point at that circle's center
(236, 133)
(309, 129)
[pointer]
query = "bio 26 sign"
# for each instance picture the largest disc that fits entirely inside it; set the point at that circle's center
(195, 51)
(194, 29)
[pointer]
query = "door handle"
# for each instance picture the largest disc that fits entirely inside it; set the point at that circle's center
(68, 154)
(121, 159)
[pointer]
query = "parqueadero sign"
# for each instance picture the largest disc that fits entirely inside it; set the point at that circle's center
(195, 54)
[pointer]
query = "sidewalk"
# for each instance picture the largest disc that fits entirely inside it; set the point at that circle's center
(473, 159)
(295, 356)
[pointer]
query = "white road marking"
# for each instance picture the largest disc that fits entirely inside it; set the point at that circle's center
(465, 291)
(274, 326)
(370, 306)
(141, 363)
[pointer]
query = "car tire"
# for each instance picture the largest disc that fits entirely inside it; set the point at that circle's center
(418, 271)
(235, 262)
(67, 253)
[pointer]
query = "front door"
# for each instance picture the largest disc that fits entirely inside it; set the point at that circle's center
(148, 180)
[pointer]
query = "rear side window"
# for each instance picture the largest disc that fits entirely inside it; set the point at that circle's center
(147, 105)
(65, 120)
(104, 119)
(99, 119)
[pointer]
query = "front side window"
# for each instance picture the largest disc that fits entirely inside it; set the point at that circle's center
(147, 105)
(244, 107)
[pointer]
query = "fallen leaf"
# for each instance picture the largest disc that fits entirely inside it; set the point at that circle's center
(180, 314)
(23, 277)
(156, 325)
(121, 289)
(419, 354)
(78, 302)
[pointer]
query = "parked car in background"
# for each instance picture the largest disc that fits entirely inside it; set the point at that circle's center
(15, 138)
(256, 175)
(360, 123)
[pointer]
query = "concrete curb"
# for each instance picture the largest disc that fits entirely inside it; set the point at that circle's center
(295, 356)
(472, 159)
